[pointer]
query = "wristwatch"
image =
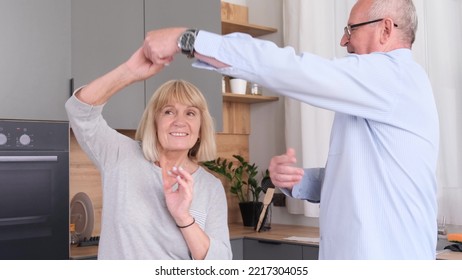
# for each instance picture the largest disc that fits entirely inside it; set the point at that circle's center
(186, 42)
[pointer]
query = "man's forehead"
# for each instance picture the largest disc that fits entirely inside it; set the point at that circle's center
(359, 11)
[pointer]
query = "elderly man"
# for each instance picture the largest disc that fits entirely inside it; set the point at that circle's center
(377, 192)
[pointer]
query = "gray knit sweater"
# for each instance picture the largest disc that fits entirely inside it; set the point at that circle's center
(135, 221)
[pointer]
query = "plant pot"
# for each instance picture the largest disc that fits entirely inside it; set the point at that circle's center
(250, 212)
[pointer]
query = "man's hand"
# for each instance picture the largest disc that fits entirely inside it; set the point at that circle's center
(161, 45)
(283, 173)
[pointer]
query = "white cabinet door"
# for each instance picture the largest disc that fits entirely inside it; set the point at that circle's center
(105, 33)
(35, 59)
(202, 14)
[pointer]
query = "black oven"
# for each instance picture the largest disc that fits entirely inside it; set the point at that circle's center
(34, 190)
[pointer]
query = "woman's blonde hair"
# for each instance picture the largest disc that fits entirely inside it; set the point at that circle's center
(185, 93)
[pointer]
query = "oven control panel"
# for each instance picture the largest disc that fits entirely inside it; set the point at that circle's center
(23, 140)
(18, 136)
(33, 135)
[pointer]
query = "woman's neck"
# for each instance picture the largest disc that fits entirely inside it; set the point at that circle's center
(169, 161)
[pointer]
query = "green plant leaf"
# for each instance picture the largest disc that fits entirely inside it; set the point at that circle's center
(242, 176)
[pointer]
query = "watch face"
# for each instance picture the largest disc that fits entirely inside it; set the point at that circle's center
(187, 42)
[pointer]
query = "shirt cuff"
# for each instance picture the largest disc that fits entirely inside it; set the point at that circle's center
(208, 43)
(286, 191)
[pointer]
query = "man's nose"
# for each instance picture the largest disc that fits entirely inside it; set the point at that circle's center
(344, 40)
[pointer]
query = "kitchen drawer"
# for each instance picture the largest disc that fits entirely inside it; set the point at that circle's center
(237, 246)
(271, 250)
(310, 252)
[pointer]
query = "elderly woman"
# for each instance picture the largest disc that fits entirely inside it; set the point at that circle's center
(158, 202)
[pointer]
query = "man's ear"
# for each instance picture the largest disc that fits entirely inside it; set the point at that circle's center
(387, 30)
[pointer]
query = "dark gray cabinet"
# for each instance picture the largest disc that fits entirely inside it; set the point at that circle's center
(35, 63)
(263, 249)
(310, 252)
(237, 246)
(271, 250)
(106, 32)
(47, 43)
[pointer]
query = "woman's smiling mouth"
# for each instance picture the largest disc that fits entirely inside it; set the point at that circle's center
(179, 134)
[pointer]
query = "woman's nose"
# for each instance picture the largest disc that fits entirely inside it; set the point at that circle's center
(179, 120)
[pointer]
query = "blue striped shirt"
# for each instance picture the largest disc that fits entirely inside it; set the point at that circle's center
(377, 191)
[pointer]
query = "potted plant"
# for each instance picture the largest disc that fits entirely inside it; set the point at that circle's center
(241, 176)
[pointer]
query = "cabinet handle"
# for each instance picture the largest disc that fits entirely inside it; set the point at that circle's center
(71, 86)
(269, 242)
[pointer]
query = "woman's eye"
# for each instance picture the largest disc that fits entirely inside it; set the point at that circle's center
(168, 112)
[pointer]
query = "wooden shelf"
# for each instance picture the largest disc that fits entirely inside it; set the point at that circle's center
(248, 98)
(254, 30)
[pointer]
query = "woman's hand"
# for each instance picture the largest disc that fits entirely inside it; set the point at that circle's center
(178, 189)
(161, 45)
(142, 67)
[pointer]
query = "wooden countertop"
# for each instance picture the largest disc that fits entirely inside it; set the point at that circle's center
(449, 255)
(79, 253)
(278, 233)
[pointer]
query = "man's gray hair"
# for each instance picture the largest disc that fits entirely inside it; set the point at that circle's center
(402, 12)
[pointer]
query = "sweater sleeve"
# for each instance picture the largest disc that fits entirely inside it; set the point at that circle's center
(92, 132)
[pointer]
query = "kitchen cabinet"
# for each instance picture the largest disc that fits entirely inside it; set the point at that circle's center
(274, 244)
(271, 249)
(159, 14)
(310, 252)
(35, 67)
(237, 247)
(255, 249)
(106, 32)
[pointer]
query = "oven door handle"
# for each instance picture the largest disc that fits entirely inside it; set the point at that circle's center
(23, 220)
(28, 158)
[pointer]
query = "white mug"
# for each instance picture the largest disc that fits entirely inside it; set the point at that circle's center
(238, 86)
